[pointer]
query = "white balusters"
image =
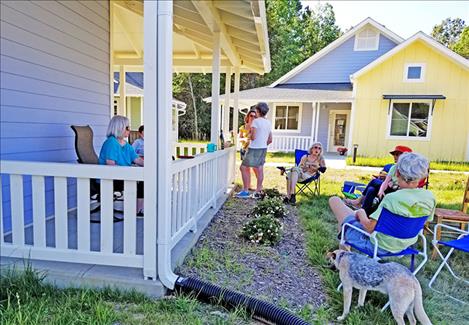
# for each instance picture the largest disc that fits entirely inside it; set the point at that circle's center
(83, 214)
(287, 143)
(39, 211)
(107, 215)
(17, 209)
(130, 222)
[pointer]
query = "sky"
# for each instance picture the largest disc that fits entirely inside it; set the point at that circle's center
(405, 18)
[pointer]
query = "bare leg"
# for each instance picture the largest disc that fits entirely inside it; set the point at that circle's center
(288, 188)
(260, 177)
(139, 205)
(340, 210)
(246, 176)
(293, 181)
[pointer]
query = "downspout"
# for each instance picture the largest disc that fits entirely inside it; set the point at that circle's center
(163, 12)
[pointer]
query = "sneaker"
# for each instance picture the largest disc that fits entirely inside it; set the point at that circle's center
(293, 199)
(258, 195)
(140, 214)
(286, 200)
(243, 195)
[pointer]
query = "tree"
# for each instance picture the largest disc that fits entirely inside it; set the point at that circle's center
(449, 31)
(462, 46)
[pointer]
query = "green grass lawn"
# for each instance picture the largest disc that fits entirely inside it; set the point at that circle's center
(320, 229)
(458, 166)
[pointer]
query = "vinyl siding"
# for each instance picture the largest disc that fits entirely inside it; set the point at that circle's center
(450, 127)
(306, 120)
(340, 63)
(54, 72)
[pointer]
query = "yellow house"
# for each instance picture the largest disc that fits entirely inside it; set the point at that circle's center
(417, 95)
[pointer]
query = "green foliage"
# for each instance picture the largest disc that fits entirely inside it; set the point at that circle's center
(449, 31)
(264, 230)
(270, 206)
(272, 193)
(434, 165)
(462, 45)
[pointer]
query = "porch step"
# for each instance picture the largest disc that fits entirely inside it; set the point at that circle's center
(65, 275)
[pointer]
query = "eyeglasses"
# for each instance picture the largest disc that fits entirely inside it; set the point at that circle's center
(127, 128)
(316, 147)
(397, 153)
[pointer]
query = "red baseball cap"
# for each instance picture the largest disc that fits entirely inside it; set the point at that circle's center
(401, 149)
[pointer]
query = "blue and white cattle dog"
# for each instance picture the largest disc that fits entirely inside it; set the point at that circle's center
(395, 280)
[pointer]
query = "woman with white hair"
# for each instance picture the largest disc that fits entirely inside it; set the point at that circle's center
(409, 202)
(309, 165)
(116, 151)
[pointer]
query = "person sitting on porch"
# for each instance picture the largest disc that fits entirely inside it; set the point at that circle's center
(378, 187)
(410, 202)
(308, 166)
(116, 151)
(261, 137)
(138, 144)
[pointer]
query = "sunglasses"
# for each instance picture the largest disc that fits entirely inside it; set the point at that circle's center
(316, 147)
(127, 128)
(397, 153)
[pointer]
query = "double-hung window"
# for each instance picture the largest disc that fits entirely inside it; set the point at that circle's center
(411, 120)
(287, 117)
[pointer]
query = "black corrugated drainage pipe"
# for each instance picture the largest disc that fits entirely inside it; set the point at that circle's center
(207, 291)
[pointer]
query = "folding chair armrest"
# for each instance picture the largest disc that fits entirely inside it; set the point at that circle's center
(441, 225)
(424, 242)
(357, 229)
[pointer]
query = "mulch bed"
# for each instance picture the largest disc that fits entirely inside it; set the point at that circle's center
(280, 274)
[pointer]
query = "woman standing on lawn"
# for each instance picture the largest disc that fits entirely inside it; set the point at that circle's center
(309, 165)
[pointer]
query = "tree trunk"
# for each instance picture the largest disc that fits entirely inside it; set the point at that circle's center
(195, 108)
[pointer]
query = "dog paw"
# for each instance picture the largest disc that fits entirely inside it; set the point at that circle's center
(340, 318)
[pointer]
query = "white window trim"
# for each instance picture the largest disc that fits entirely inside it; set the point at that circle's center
(375, 48)
(400, 137)
(300, 115)
(416, 64)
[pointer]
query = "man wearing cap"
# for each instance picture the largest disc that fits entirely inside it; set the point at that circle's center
(378, 187)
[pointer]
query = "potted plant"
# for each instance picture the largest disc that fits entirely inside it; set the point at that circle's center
(342, 150)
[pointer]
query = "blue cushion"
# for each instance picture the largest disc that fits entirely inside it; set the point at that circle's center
(459, 244)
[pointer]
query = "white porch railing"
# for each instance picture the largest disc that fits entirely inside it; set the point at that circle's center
(188, 149)
(289, 143)
(196, 186)
(61, 226)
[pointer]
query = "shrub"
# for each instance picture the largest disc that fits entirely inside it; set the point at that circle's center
(271, 193)
(265, 230)
(272, 206)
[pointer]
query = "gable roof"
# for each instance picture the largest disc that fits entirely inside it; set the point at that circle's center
(418, 36)
(337, 43)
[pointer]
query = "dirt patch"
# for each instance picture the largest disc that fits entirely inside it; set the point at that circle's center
(279, 274)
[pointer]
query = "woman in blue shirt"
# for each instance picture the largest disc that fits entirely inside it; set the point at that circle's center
(116, 151)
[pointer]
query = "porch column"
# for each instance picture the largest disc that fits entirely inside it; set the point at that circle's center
(215, 116)
(352, 122)
(316, 129)
(236, 105)
(313, 124)
(122, 100)
(149, 111)
(226, 108)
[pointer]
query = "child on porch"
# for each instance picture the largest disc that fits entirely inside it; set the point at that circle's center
(139, 144)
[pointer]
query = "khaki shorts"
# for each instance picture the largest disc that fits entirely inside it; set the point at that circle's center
(302, 176)
(254, 157)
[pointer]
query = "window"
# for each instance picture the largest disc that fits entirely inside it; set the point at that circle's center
(414, 72)
(367, 40)
(287, 117)
(410, 120)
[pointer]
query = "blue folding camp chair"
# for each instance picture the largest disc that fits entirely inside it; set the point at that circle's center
(315, 180)
(396, 226)
(461, 244)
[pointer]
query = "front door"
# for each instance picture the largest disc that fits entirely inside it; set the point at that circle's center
(338, 130)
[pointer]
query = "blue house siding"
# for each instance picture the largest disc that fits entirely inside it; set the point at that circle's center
(54, 72)
(340, 63)
(306, 118)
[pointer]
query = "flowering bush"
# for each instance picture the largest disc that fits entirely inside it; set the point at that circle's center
(273, 206)
(342, 150)
(265, 230)
(271, 193)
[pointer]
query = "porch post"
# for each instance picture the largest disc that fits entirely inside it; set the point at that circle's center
(226, 108)
(149, 111)
(236, 105)
(215, 115)
(122, 100)
(313, 123)
(318, 111)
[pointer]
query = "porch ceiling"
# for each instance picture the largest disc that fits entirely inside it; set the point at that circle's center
(242, 26)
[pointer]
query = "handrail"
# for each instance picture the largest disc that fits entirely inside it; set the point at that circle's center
(182, 164)
(71, 170)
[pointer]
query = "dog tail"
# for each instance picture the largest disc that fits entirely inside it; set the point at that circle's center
(418, 305)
